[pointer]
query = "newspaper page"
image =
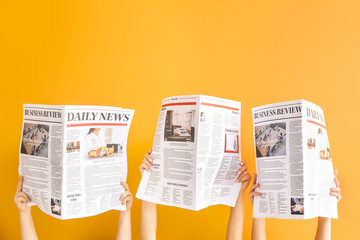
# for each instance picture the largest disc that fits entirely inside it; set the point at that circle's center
(318, 165)
(73, 158)
(293, 178)
(41, 154)
(196, 153)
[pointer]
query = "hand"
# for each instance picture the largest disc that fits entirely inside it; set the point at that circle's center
(252, 192)
(336, 190)
(21, 198)
(127, 196)
(146, 163)
(243, 176)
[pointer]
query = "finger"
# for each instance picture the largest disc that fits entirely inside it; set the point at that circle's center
(255, 186)
(335, 173)
(149, 151)
(242, 169)
(148, 158)
(335, 189)
(147, 162)
(125, 185)
(21, 199)
(147, 166)
(252, 194)
(24, 195)
(254, 179)
(336, 194)
(241, 176)
(337, 183)
(20, 184)
(127, 200)
(247, 177)
(144, 167)
(242, 163)
(124, 195)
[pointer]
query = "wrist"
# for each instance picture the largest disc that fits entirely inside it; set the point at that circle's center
(123, 214)
(242, 191)
(324, 219)
(259, 220)
(25, 212)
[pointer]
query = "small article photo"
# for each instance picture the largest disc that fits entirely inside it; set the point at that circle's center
(56, 206)
(180, 126)
(202, 117)
(270, 140)
(35, 139)
(311, 143)
(325, 154)
(104, 142)
(231, 142)
(297, 206)
(73, 147)
(318, 141)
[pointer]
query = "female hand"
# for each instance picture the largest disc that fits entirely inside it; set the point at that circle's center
(21, 198)
(126, 197)
(336, 190)
(252, 192)
(243, 175)
(147, 162)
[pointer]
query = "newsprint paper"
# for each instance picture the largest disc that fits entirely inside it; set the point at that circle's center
(293, 162)
(73, 158)
(196, 154)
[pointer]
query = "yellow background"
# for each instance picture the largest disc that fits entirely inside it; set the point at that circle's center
(135, 53)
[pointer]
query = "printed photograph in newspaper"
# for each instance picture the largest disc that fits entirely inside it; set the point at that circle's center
(73, 147)
(103, 142)
(179, 126)
(56, 206)
(297, 206)
(35, 139)
(270, 140)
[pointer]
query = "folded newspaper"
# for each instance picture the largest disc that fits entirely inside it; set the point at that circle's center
(196, 154)
(73, 158)
(293, 162)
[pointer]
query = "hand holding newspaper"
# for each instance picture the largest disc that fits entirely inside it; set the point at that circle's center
(196, 154)
(293, 162)
(73, 158)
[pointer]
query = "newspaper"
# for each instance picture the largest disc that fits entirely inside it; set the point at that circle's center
(73, 158)
(293, 162)
(196, 154)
